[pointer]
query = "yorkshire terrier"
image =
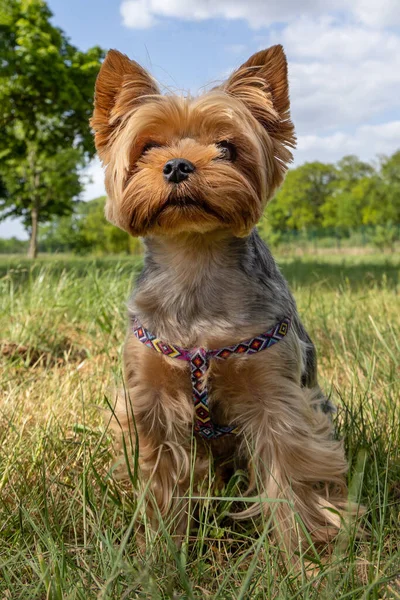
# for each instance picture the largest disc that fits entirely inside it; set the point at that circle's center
(216, 355)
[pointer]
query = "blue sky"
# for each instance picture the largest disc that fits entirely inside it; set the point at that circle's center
(344, 61)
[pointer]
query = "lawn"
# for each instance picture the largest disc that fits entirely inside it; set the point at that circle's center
(68, 529)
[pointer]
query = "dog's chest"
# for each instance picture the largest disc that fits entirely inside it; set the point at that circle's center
(197, 316)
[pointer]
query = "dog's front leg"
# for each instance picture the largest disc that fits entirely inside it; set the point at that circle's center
(155, 418)
(295, 465)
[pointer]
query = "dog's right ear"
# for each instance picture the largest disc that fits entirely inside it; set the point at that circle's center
(121, 84)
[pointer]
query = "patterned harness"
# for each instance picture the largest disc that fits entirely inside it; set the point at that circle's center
(199, 360)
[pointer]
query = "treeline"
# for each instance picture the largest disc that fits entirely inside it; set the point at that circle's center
(318, 200)
(320, 203)
(337, 198)
(13, 246)
(85, 231)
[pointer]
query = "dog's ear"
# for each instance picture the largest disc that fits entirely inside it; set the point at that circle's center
(121, 84)
(261, 83)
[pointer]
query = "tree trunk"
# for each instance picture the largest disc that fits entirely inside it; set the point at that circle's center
(33, 245)
(35, 181)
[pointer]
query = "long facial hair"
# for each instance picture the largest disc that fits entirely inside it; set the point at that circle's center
(138, 130)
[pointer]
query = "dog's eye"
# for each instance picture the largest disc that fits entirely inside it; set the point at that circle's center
(149, 146)
(227, 150)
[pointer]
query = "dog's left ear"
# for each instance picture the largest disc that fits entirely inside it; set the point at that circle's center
(261, 83)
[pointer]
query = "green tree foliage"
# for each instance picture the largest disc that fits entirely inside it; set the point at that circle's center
(383, 194)
(297, 205)
(87, 231)
(46, 97)
(340, 197)
(13, 246)
(342, 206)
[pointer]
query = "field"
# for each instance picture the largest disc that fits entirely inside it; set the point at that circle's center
(68, 528)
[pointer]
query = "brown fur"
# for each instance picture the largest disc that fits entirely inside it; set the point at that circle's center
(209, 281)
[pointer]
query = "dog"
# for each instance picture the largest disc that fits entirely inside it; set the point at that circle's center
(216, 356)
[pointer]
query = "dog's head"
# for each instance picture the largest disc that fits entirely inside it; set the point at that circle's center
(176, 164)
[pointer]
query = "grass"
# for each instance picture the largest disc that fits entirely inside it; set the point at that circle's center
(69, 530)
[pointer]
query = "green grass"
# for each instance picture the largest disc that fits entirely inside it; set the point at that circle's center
(68, 530)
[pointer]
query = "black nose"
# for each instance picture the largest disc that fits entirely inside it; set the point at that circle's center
(177, 170)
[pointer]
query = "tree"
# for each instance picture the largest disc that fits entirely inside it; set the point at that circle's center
(297, 205)
(99, 235)
(46, 97)
(383, 201)
(40, 189)
(344, 205)
(87, 231)
(351, 169)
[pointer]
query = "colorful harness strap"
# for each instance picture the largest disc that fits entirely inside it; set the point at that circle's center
(199, 359)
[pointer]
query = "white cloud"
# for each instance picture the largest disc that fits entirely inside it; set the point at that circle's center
(381, 139)
(93, 177)
(331, 95)
(330, 39)
(381, 13)
(136, 14)
(258, 13)
(345, 75)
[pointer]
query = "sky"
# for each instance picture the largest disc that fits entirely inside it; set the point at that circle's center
(343, 55)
